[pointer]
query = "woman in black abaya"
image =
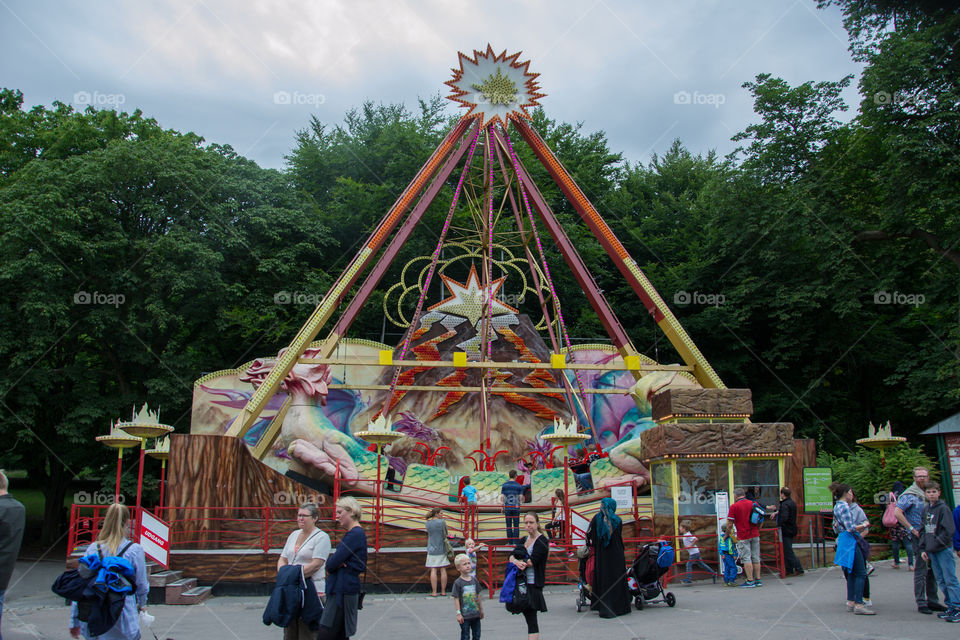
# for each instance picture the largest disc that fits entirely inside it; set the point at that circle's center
(605, 535)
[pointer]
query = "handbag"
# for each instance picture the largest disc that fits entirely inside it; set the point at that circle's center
(521, 596)
(362, 592)
(889, 518)
(447, 547)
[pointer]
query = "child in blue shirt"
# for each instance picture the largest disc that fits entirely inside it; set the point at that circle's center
(728, 552)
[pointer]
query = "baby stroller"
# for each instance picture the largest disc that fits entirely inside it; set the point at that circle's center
(585, 571)
(644, 575)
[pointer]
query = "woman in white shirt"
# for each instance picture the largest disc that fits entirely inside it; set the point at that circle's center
(309, 547)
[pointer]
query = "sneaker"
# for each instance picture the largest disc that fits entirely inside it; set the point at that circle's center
(946, 614)
(850, 607)
(687, 581)
(924, 609)
(870, 568)
(955, 617)
(867, 602)
(895, 565)
(863, 611)
(730, 584)
(936, 606)
(758, 583)
(749, 584)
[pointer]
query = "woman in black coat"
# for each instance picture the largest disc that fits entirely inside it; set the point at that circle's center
(530, 557)
(605, 536)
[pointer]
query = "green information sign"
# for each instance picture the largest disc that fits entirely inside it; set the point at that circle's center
(816, 489)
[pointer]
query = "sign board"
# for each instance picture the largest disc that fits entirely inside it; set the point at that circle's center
(951, 442)
(723, 508)
(579, 529)
(155, 538)
(816, 489)
(623, 496)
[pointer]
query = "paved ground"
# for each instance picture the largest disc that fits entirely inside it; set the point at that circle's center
(797, 608)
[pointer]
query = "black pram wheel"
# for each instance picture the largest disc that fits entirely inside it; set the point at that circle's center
(671, 600)
(638, 602)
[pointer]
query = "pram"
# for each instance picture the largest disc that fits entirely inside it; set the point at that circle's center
(645, 573)
(585, 572)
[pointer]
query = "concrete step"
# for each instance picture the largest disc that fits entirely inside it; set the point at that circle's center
(195, 595)
(153, 567)
(163, 578)
(174, 589)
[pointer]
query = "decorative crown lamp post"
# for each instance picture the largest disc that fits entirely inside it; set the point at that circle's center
(882, 439)
(380, 432)
(118, 440)
(145, 424)
(566, 435)
(161, 451)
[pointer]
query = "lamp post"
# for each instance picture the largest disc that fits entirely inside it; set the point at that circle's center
(380, 432)
(881, 439)
(566, 435)
(118, 440)
(145, 424)
(161, 451)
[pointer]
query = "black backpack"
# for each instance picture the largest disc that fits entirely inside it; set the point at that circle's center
(100, 608)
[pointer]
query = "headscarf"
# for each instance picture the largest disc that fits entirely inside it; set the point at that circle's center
(607, 520)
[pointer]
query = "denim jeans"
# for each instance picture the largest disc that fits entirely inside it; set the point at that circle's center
(512, 516)
(470, 625)
(946, 574)
(856, 577)
(695, 561)
(3, 592)
(895, 545)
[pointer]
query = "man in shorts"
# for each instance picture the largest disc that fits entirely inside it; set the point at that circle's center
(748, 538)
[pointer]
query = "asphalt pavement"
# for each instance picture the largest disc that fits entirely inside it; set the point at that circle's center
(809, 606)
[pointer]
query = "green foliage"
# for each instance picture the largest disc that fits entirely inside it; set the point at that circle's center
(871, 480)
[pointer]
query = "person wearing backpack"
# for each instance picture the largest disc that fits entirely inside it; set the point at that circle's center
(12, 519)
(113, 541)
(743, 514)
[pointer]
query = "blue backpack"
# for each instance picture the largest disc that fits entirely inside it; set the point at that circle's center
(757, 513)
(99, 586)
(666, 556)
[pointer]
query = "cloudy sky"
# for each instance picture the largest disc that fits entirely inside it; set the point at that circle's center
(646, 72)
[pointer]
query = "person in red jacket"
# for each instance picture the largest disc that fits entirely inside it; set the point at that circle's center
(748, 538)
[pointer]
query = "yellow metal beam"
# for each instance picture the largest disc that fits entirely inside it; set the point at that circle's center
(375, 362)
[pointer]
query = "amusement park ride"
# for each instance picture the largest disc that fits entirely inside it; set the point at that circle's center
(476, 385)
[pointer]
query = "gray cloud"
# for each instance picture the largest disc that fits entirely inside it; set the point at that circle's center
(214, 67)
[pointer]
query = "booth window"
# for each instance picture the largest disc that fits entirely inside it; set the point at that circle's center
(699, 483)
(662, 489)
(762, 474)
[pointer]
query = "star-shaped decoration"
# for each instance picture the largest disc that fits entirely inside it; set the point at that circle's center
(494, 87)
(469, 300)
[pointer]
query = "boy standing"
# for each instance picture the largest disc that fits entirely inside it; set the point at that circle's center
(465, 595)
(936, 542)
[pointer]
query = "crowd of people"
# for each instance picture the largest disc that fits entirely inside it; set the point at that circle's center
(329, 589)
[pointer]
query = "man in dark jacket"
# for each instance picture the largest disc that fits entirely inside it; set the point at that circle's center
(787, 521)
(12, 518)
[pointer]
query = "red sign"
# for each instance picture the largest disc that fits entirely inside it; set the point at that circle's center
(155, 538)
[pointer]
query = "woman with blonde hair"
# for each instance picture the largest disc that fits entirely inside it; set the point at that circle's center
(344, 567)
(113, 541)
(530, 558)
(437, 560)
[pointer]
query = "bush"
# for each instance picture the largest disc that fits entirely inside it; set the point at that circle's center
(871, 482)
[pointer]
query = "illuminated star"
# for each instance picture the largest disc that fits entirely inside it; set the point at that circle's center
(470, 300)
